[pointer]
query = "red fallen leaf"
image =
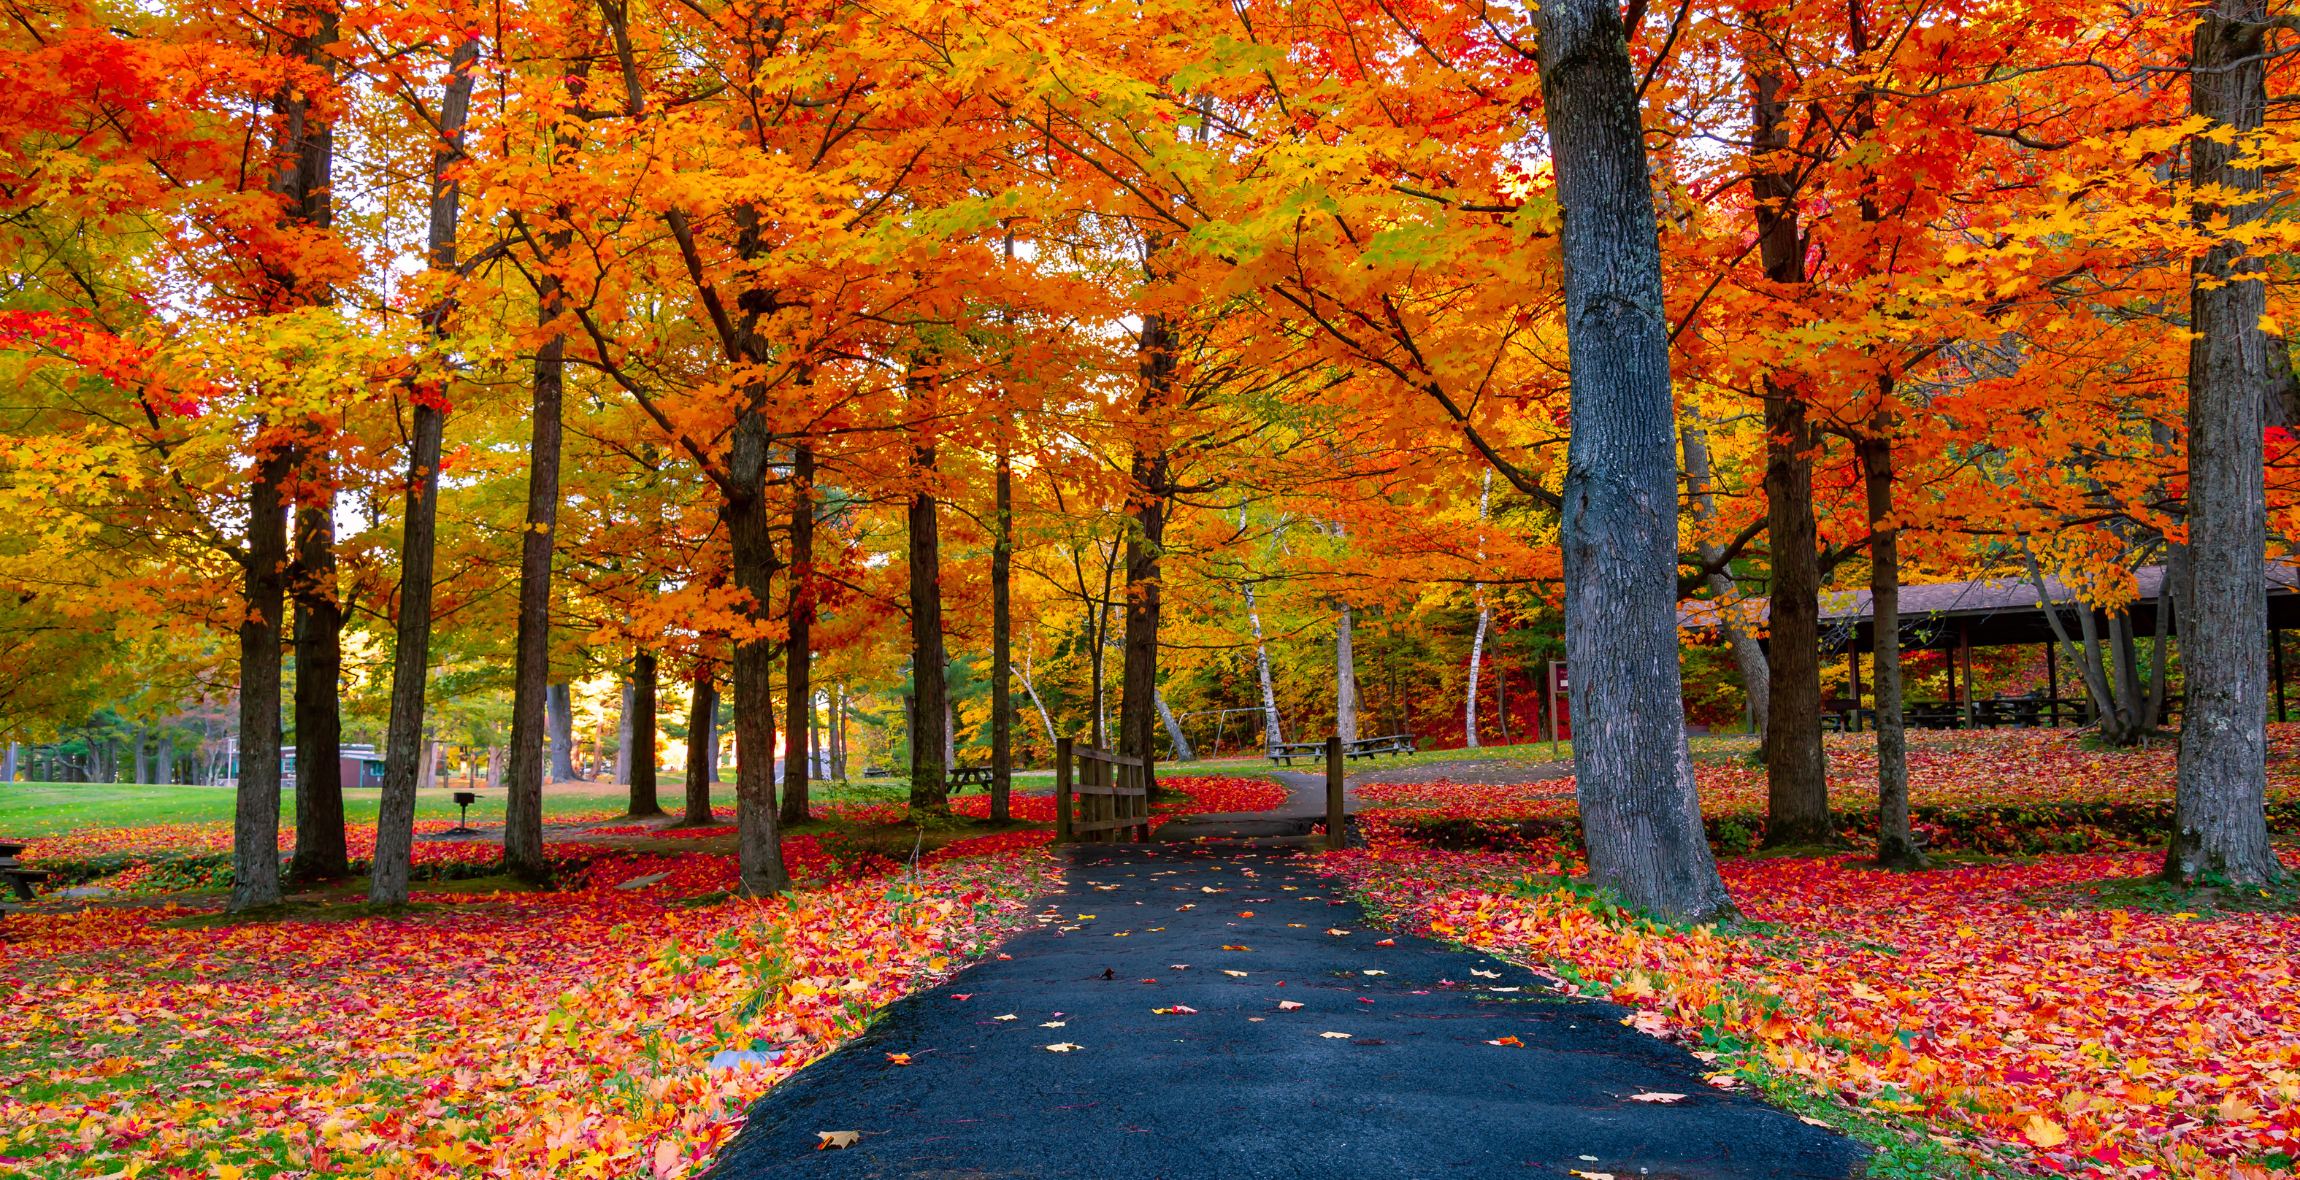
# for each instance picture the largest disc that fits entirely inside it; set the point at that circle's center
(1364, 1000)
(1237, 948)
(1508, 1041)
(967, 996)
(1245, 913)
(1006, 956)
(899, 1058)
(1387, 942)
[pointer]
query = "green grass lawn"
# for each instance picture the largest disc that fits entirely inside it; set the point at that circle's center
(47, 809)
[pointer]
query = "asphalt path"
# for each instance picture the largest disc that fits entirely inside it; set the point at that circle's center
(1231, 1016)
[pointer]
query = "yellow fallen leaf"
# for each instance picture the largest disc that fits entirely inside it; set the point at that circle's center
(1062, 1047)
(1287, 1005)
(1486, 974)
(1334, 1036)
(1656, 1096)
(1373, 972)
(1237, 948)
(1054, 1024)
(1008, 1016)
(1338, 933)
(832, 1139)
(2044, 1132)
(1239, 974)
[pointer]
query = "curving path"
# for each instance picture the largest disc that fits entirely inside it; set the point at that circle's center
(1243, 1086)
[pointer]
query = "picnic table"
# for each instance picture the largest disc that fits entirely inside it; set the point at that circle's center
(1390, 743)
(1286, 752)
(19, 876)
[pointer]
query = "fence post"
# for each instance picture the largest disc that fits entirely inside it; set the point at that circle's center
(1336, 819)
(1062, 790)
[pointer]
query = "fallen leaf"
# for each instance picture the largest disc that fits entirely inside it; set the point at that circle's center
(1387, 942)
(1373, 972)
(1245, 913)
(1062, 1047)
(1006, 956)
(1656, 1096)
(2044, 1132)
(1054, 1024)
(1334, 1036)
(832, 1139)
(1810, 1120)
(899, 1058)
(1508, 1041)
(1338, 933)
(956, 996)
(1239, 974)
(1008, 1016)
(1179, 966)
(1210, 889)
(1591, 1175)
(1237, 948)
(1501, 989)
(1287, 1005)
(1486, 974)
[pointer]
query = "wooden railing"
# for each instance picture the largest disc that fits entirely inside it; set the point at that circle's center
(1106, 791)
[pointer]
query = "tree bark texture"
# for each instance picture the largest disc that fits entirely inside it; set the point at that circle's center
(702, 750)
(1345, 675)
(1797, 804)
(411, 656)
(2220, 828)
(1183, 751)
(1002, 638)
(559, 716)
(1640, 819)
(256, 804)
(1145, 604)
(758, 839)
(1896, 840)
(639, 742)
(531, 665)
(798, 685)
(929, 788)
(320, 853)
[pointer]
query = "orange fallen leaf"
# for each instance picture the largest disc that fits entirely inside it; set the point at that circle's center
(841, 1139)
(899, 1058)
(1237, 948)
(1508, 1041)
(2044, 1132)
(1387, 942)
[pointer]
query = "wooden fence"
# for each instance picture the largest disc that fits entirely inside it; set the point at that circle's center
(1099, 795)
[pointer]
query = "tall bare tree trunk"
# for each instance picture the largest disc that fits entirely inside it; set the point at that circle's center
(638, 755)
(1896, 840)
(1640, 818)
(1002, 635)
(929, 787)
(1148, 494)
(256, 804)
(798, 685)
(758, 838)
(1484, 620)
(531, 665)
(2220, 827)
(702, 750)
(411, 657)
(1345, 676)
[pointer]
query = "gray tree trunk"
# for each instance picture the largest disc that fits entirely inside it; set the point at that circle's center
(638, 755)
(1002, 633)
(1183, 751)
(798, 683)
(2220, 828)
(1896, 839)
(1273, 732)
(1640, 818)
(623, 734)
(702, 751)
(559, 715)
(929, 788)
(411, 657)
(256, 804)
(758, 837)
(1345, 677)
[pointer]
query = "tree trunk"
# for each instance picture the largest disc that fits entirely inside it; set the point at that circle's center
(758, 840)
(702, 710)
(623, 734)
(929, 789)
(1044, 718)
(1896, 840)
(1640, 818)
(1273, 733)
(1345, 677)
(1002, 638)
(2220, 828)
(531, 668)
(559, 715)
(256, 805)
(411, 657)
(798, 685)
(639, 738)
(1183, 751)
(320, 853)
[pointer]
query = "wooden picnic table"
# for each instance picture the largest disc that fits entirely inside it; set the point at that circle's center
(1286, 752)
(18, 876)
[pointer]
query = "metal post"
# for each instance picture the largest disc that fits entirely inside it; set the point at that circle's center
(1336, 818)
(1062, 790)
(1553, 726)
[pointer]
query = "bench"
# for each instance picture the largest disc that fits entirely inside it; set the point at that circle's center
(18, 876)
(1393, 743)
(1286, 752)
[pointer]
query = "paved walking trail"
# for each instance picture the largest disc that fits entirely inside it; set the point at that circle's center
(1243, 1087)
